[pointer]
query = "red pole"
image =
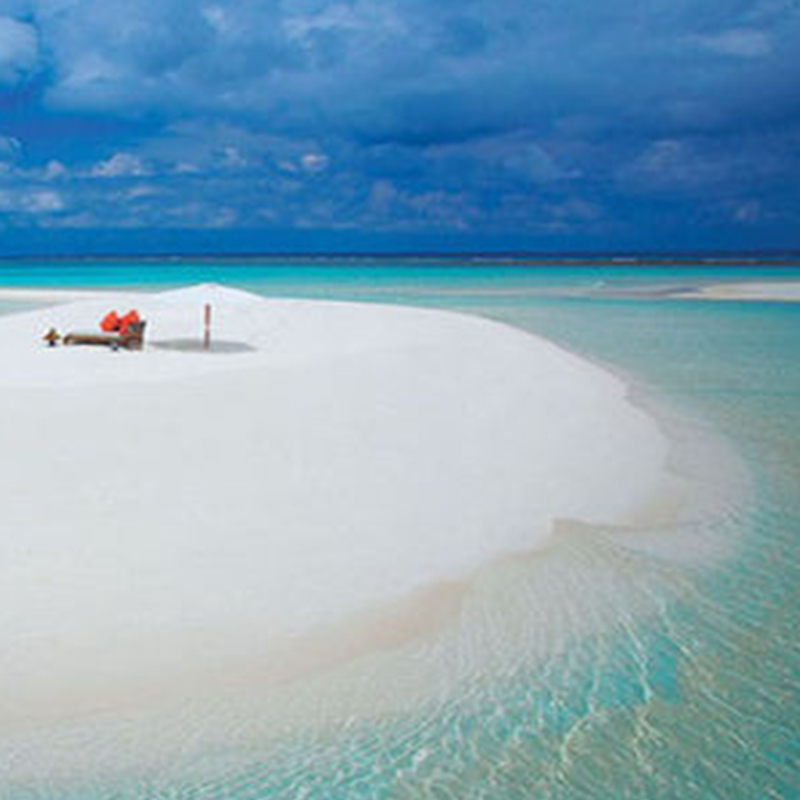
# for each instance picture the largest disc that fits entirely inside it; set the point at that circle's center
(207, 327)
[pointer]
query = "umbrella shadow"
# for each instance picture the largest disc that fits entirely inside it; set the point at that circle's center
(219, 346)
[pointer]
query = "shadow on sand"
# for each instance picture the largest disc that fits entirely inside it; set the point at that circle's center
(196, 346)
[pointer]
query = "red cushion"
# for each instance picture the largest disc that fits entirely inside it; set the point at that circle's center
(131, 318)
(110, 322)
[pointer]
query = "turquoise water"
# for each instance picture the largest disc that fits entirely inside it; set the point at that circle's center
(661, 662)
(361, 278)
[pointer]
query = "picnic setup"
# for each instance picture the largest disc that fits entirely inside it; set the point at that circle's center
(126, 331)
(115, 331)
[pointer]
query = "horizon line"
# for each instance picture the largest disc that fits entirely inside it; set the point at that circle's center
(617, 257)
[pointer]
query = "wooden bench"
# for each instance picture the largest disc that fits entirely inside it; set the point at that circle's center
(132, 340)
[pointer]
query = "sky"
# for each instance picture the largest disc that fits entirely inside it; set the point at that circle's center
(302, 125)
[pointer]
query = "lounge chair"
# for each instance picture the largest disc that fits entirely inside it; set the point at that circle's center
(132, 339)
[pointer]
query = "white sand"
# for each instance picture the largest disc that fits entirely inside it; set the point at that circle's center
(767, 290)
(163, 510)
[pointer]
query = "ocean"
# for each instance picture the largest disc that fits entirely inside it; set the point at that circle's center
(660, 661)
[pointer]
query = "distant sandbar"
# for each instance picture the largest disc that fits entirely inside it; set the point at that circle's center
(784, 291)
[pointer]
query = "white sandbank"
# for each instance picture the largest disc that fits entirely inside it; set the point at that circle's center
(787, 291)
(167, 509)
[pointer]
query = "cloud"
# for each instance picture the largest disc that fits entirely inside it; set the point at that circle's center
(54, 170)
(211, 146)
(10, 148)
(488, 115)
(389, 70)
(391, 207)
(733, 172)
(674, 165)
(120, 165)
(43, 202)
(186, 168)
(345, 58)
(750, 211)
(19, 50)
(315, 162)
(739, 42)
(31, 202)
(575, 209)
(81, 221)
(356, 18)
(216, 17)
(142, 190)
(233, 158)
(666, 158)
(154, 55)
(222, 218)
(511, 158)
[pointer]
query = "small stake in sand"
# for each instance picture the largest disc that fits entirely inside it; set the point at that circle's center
(207, 327)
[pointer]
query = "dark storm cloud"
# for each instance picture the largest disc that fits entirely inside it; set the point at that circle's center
(502, 115)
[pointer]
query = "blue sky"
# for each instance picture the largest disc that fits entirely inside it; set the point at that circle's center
(399, 124)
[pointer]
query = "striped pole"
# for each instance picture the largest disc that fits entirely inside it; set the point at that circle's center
(207, 327)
